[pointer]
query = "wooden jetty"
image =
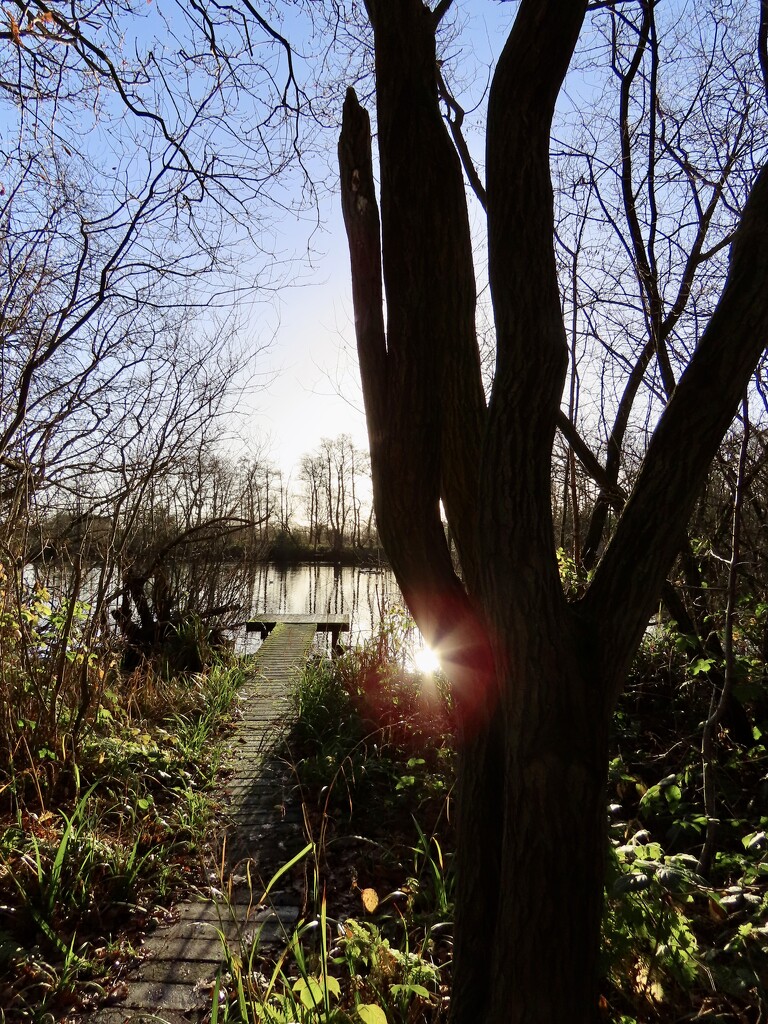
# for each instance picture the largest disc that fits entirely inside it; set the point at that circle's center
(265, 622)
(173, 982)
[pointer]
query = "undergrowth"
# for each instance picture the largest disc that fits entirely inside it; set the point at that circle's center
(103, 802)
(373, 756)
(103, 810)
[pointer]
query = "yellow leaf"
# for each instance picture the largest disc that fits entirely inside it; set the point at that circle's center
(370, 899)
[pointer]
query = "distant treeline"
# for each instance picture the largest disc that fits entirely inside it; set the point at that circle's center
(214, 506)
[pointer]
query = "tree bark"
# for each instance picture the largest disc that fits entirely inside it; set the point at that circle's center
(421, 377)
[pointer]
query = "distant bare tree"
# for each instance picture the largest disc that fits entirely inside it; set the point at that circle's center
(331, 477)
(311, 469)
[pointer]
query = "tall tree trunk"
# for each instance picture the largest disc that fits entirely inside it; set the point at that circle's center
(526, 946)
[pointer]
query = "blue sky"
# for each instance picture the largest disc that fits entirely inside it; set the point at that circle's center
(314, 389)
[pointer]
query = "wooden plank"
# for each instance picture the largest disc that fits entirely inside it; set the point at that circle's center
(322, 623)
(172, 985)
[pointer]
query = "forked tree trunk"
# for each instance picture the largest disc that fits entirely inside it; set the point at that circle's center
(534, 678)
(531, 817)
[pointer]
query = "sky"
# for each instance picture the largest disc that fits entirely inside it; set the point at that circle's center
(311, 383)
(313, 390)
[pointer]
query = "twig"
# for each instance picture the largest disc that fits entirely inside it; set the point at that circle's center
(718, 706)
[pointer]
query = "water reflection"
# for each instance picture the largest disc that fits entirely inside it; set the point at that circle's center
(363, 593)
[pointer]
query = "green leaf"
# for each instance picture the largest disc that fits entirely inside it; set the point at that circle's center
(673, 795)
(634, 881)
(333, 986)
(755, 841)
(411, 989)
(370, 1013)
(702, 665)
(309, 992)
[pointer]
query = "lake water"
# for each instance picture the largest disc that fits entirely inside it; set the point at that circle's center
(362, 592)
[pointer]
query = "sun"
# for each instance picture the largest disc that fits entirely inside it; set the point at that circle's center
(425, 660)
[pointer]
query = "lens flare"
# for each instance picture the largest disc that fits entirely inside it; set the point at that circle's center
(426, 661)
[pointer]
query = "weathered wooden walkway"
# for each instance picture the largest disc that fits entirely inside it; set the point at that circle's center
(265, 622)
(174, 984)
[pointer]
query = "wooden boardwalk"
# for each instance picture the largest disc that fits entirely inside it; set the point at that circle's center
(265, 622)
(174, 984)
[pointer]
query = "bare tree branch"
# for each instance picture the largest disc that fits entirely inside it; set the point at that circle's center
(455, 123)
(651, 528)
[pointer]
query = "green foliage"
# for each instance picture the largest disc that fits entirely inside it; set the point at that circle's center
(669, 934)
(360, 720)
(50, 666)
(392, 978)
(674, 941)
(323, 710)
(572, 574)
(372, 980)
(210, 696)
(434, 880)
(649, 943)
(188, 646)
(101, 819)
